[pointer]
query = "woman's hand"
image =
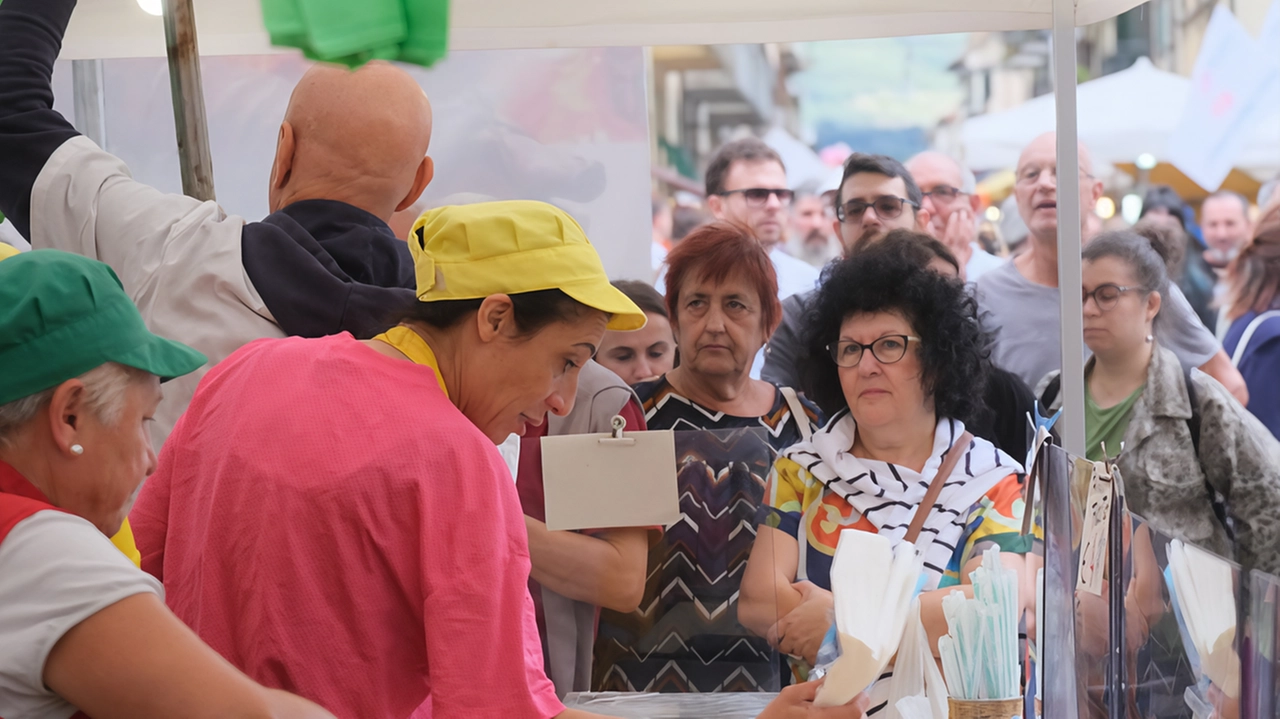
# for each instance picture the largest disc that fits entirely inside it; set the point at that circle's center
(796, 702)
(801, 631)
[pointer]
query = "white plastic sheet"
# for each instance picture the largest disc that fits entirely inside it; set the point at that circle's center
(566, 126)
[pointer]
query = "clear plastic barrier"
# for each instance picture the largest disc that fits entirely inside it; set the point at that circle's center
(686, 636)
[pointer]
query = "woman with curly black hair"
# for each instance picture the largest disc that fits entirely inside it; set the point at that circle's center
(898, 357)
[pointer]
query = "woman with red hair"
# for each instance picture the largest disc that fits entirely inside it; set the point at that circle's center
(722, 296)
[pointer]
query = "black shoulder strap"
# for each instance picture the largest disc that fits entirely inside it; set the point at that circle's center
(1216, 499)
(1193, 424)
(1050, 394)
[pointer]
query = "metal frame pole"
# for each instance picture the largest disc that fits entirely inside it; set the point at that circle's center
(1069, 227)
(188, 99)
(90, 100)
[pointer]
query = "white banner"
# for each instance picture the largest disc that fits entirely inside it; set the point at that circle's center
(1232, 76)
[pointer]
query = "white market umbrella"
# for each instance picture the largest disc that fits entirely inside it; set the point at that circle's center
(1121, 116)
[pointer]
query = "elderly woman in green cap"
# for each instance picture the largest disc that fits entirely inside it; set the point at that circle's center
(82, 628)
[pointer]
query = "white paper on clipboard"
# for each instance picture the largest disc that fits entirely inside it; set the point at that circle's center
(594, 481)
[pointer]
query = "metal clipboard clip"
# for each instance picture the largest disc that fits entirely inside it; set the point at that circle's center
(618, 423)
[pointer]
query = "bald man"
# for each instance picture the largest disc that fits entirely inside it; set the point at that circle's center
(1020, 301)
(351, 151)
(950, 194)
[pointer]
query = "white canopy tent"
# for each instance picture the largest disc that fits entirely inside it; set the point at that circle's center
(1122, 115)
(118, 28)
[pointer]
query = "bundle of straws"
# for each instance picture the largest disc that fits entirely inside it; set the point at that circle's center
(980, 652)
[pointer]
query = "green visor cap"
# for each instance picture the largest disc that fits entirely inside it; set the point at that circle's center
(62, 315)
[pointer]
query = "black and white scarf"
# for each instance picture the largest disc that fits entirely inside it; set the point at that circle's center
(887, 494)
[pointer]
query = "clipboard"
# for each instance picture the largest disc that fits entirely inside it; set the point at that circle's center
(601, 481)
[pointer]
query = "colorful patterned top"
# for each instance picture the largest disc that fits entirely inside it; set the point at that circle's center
(818, 489)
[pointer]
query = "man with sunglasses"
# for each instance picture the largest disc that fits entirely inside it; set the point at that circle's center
(747, 183)
(1020, 300)
(876, 195)
(950, 196)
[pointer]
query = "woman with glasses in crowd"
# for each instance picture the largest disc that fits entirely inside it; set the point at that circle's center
(897, 356)
(1253, 306)
(1196, 464)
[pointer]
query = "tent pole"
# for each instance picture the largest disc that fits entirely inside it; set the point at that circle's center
(188, 99)
(1071, 426)
(90, 105)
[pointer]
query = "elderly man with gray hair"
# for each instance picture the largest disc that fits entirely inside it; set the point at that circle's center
(950, 195)
(1020, 300)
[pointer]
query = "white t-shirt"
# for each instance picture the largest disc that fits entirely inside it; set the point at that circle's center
(794, 275)
(56, 570)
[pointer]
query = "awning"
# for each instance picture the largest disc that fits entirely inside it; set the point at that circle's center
(119, 28)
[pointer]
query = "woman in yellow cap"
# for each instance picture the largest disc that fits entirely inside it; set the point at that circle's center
(332, 515)
(81, 628)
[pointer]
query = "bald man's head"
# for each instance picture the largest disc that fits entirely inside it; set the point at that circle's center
(357, 137)
(1036, 187)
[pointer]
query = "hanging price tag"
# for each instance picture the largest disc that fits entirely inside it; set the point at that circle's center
(1097, 521)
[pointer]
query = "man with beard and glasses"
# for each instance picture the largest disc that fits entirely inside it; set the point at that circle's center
(1020, 301)
(876, 195)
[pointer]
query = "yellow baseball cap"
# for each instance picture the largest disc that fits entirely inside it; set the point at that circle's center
(467, 252)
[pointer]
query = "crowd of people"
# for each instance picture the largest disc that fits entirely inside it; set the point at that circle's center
(330, 526)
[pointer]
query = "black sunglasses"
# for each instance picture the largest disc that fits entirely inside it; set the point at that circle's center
(758, 196)
(887, 207)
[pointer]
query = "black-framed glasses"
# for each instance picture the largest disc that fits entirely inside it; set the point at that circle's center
(758, 196)
(1106, 296)
(886, 350)
(945, 194)
(887, 207)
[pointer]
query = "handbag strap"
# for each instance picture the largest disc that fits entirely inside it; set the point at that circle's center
(925, 508)
(798, 415)
(1248, 335)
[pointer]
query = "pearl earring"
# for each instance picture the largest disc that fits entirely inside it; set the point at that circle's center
(1150, 339)
(77, 450)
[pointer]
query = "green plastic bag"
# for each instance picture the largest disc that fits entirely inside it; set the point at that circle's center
(355, 32)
